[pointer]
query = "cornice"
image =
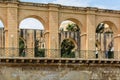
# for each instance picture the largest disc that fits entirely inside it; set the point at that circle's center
(59, 61)
(62, 7)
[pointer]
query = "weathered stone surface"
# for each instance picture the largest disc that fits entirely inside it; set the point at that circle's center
(12, 12)
(59, 73)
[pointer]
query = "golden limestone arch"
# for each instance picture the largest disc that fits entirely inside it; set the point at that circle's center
(82, 26)
(111, 41)
(34, 35)
(77, 42)
(76, 21)
(39, 18)
(51, 16)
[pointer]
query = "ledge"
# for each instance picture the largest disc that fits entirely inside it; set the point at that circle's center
(58, 61)
(59, 6)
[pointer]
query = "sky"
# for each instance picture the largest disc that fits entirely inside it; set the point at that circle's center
(105, 4)
(33, 24)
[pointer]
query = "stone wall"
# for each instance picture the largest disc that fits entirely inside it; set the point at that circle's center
(58, 72)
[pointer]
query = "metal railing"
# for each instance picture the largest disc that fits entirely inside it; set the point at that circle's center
(56, 53)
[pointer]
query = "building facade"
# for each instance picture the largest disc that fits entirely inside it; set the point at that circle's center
(96, 43)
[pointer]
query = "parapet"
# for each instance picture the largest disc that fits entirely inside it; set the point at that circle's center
(59, 6)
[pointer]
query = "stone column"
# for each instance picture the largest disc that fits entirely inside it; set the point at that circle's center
(90, 38)
(83, 46)
(30, 43)
(53, 32)
(11, 36)
(116, 46)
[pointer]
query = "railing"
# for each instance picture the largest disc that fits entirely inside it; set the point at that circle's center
(56, 53)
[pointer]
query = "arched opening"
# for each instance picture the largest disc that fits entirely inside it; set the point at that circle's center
(68, 25)
(32, 33)
(2, 35)
(104, 41)
(69, 30)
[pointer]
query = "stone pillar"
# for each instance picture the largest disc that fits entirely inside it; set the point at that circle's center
(11, 35)
(90, 38)
(101, 53)
(30, 43)
(116, 46)
(46, 37)
(53, 50)
(83, 46)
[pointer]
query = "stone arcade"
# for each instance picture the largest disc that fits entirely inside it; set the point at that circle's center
(86, 65)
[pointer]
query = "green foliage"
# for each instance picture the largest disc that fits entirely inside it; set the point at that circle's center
(73, 27)
(70, 55)
(21, 44)
(110, 54)
(39, 52)
(66, 49)
(21, 48)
